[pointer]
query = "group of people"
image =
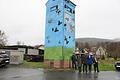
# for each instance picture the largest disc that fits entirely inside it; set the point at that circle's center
(84, 61)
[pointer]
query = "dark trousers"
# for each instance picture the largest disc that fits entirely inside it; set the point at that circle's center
(79, 68)
(74, 65)
(96, 67)
(90, 67)
(85, 67)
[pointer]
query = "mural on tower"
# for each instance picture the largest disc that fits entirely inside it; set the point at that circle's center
(59, 30)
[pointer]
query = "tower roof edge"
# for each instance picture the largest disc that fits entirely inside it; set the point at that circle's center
(72, 3)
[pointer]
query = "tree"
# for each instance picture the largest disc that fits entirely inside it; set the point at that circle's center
(20, 43)
(113, 49)
(87, 45)
(3, 38)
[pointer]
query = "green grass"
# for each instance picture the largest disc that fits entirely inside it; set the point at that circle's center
(104, 65)
(107, 65)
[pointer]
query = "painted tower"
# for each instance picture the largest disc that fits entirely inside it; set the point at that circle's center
(59, 33)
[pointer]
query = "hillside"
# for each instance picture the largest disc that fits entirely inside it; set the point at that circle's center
(93, 41)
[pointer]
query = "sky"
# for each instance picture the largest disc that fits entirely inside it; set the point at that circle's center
(24, 20)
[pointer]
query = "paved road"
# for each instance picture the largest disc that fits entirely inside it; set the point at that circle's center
(14, 73)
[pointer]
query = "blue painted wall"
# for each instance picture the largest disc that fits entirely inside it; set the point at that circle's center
(60, 24)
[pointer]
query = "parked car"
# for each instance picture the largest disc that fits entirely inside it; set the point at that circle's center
(117, 65)
(4, 59)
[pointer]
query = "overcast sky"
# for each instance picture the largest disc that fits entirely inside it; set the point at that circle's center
(24, 20)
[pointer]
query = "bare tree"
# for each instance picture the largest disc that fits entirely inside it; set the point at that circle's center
(3, 38)
(113, 49)
(87, 45)
(20, 43)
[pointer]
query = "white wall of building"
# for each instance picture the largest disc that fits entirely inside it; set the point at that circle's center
(16, 57)
(33, 52)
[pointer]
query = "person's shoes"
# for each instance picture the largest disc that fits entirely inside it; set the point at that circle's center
(83, 71)
(94, 71)
(98, 71)
(79, 71)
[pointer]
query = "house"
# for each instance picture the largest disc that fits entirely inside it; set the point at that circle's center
(42, 47)
(20, 52)
(16, 56)
(101, 52)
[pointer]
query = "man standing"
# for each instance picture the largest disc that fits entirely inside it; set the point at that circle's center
(74, 63)
(90, 61)
(79, 62)
(84, 62)
(95, 62)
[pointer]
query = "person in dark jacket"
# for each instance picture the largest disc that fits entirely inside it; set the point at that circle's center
(84, 62)
(74, 61)
(95, 62)
(79, 62)
(90, 61)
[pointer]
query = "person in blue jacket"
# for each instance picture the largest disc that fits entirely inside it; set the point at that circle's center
(90, 61)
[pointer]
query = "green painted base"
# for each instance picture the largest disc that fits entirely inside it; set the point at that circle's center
(67, 53)
(53, 53)
(58, 53)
